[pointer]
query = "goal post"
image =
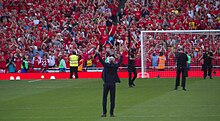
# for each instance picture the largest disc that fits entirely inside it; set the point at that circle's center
(189, 35)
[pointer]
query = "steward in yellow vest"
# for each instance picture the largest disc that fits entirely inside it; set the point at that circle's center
(89, 62)
(161, 61)
(73, 65)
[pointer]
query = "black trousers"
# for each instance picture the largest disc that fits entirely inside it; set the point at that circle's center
(75, 70)
(209, 69)
(130, 71)
(106, 89)
(184, 73)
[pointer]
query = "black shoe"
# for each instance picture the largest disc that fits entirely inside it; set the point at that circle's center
(184, 89)
(210, 77)
(103, 115)
(112, 115)
(130, 86)
(175, 88)
(204, 77)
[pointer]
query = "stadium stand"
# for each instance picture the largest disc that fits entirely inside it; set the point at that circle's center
(38, 28)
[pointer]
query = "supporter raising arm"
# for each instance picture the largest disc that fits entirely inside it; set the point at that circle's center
(110, 77)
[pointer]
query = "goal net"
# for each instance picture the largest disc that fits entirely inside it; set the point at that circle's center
(159, 48)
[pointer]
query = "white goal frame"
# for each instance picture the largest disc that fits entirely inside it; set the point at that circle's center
(167, 31)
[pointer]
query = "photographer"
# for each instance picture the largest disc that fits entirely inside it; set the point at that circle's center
(11, 66)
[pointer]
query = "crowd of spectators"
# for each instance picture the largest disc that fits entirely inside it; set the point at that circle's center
(194, 45)
(48, 29)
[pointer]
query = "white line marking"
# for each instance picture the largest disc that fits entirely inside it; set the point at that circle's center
(35, 80)
(171, 116)
(88, 107)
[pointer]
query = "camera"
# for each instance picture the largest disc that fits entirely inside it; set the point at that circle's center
(133, 50)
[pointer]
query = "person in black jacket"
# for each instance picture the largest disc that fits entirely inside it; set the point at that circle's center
(132, 68)
(181, 68)
(110, 77)
(207, 63)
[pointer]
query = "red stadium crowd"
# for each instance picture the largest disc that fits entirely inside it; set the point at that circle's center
(47, 30)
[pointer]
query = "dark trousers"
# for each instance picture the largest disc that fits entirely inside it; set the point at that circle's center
(209, 69)
(106, 89)
(178, 72)
(130, 71)
(75, 70)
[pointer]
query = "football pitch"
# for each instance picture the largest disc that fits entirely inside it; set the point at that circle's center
(81, 100)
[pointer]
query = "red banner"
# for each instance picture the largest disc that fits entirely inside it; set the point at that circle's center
(46, 76)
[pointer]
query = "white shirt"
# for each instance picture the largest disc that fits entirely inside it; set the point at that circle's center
(52, 60)
(191, 13)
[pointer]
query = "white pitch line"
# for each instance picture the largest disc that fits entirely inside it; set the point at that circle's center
(171, 116)
(35, 80)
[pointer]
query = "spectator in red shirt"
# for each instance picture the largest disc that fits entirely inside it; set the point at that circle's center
(18, 62)
(36, 61)
(2, 61)
(44, 64)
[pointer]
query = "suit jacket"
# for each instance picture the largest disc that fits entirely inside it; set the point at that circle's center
(110, 71)
(182, 60)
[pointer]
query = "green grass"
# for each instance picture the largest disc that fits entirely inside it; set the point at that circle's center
(80, 100)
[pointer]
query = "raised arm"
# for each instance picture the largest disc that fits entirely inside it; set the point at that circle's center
(99, 57)
(120, 60)
(121, 53)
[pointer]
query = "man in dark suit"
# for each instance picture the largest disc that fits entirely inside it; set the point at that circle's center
(110, 77)
(181, 68)
(207, 63)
